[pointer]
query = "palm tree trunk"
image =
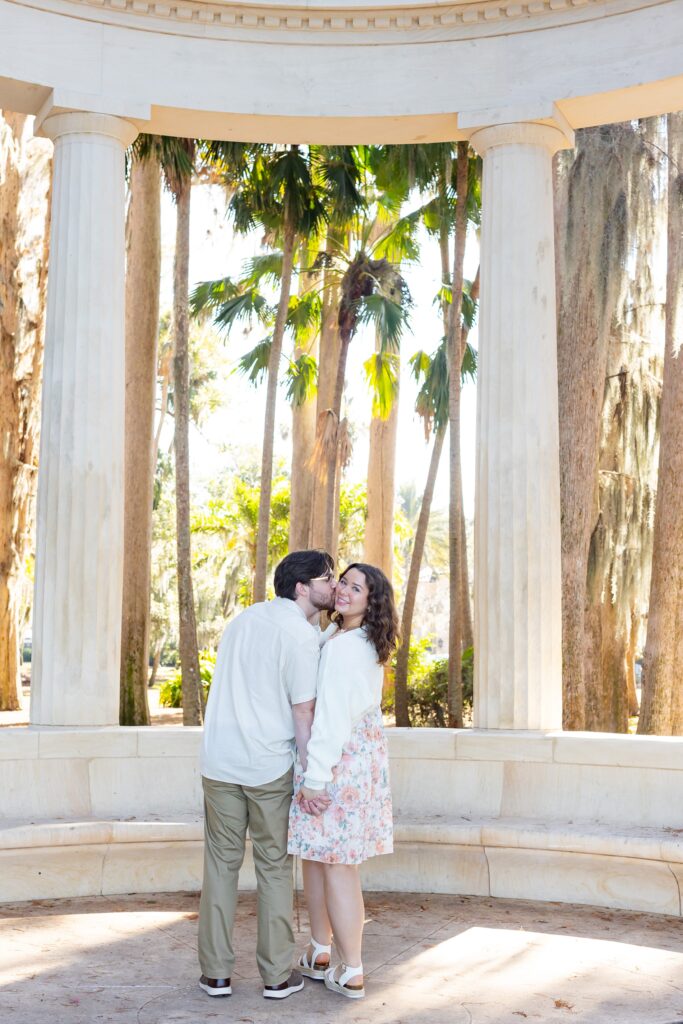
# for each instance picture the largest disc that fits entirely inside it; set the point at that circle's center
(467, 624)
(467, 627)
(379, 527)
(302, 475)
(455, 503)
(662, 700)
(189, 655)
(269, 424)
(327, 366)
(333, 484)
(401, 676)
(142, 327)
(24, 243)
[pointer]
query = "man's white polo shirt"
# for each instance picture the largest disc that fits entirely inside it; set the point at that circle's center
(267, 660)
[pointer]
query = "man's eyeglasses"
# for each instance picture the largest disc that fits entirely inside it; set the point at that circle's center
(327, 578)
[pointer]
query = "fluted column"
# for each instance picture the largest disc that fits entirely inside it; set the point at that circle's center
(77, 607)
(518, 652)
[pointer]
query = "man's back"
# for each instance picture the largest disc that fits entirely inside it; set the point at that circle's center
(267, 661)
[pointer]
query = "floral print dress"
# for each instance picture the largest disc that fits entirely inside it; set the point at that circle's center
(358, 822)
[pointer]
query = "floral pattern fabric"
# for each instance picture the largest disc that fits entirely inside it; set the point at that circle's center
(358, 823)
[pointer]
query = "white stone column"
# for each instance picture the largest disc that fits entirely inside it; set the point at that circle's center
(77, 607)
(518, 651)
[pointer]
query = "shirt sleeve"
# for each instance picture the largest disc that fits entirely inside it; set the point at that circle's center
(301, 669)
(343, 697)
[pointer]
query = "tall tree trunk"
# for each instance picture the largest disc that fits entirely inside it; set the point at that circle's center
(467, 623)
(591, 247)
(401, 675)
(24, 241)
(269, 423)
(662, 694)
(379, 527)
(455, 503)
(189, 654)
(327, 367)
(143, 270)
(303, 477)
(619, 561)
(467, 626)
(333, 475)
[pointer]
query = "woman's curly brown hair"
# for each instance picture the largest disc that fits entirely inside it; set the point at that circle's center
(380, 621)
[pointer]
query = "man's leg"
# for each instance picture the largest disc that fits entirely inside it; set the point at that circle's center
(225, 827)
(268, 819)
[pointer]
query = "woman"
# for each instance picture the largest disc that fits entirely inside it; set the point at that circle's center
(346, 759)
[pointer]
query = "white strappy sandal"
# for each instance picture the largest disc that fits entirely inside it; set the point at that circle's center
(341, 985)
(308, 967)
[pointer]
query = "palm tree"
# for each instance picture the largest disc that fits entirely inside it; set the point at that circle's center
(276, 188)
(180, 183)
(432, 406)
(143, 268)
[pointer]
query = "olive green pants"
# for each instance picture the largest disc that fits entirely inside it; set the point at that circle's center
(228, 811)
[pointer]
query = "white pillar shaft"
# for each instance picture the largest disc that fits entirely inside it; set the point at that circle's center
(518, 655)
(77, 608)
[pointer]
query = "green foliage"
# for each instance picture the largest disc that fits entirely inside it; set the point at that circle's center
(302, 379)
(428, 685)
(254, 363)
(382, 371)
(171, 692)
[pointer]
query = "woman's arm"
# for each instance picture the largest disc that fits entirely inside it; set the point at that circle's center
(344, 694)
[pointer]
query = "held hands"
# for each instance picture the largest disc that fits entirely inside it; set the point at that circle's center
(313, 801)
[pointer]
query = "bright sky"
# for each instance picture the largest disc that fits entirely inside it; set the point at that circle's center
(216, 252)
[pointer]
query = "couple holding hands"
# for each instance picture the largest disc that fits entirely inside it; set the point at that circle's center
(284, 691)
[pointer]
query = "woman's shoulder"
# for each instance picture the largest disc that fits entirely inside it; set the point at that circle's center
(354, 645)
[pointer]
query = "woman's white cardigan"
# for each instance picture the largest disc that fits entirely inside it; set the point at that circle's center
(349, 685)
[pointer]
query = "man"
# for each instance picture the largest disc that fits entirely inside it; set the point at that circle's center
(261, 703)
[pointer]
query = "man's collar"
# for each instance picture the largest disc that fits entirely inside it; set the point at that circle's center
(286, 601)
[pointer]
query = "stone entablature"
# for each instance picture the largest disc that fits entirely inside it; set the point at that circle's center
(342, 23)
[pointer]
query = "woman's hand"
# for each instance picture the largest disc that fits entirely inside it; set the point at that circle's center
(313, 801)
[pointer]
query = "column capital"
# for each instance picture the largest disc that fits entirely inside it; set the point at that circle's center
(81, 122)
(522, 133)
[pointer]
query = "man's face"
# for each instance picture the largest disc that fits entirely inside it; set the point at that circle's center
(321, 592)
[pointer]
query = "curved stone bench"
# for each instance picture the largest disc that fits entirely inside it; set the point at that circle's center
(579, 818)
(636, 869)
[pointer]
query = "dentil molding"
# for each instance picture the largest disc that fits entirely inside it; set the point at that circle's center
(339, 24)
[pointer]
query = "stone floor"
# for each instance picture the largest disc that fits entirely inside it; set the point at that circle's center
(429, 959)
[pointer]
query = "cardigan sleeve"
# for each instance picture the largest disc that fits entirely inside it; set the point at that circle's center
(344, 695)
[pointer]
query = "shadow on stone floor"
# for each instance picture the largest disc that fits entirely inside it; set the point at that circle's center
(429, 960)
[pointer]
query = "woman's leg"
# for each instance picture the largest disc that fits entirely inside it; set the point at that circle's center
(344, 899)
(314, 890)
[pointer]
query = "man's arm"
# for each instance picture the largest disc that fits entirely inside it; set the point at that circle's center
(303, 720)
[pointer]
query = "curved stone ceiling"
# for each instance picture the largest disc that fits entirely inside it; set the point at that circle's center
(383, 71)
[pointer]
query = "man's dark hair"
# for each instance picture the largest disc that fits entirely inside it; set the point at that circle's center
(300, 567)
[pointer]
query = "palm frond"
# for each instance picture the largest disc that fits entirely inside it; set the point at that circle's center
(249, 305)
(264, 267)
(254, 364)
(382, 373)
(209, 295)
(469, 363)
(304, 316)
(387, 316)
(302, 379)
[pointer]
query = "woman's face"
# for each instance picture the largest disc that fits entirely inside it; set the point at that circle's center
(351, 598)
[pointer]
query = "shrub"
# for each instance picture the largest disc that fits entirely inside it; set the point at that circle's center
(171, 693)
(428, 685)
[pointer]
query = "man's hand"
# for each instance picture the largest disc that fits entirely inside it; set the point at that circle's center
(313, 801)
